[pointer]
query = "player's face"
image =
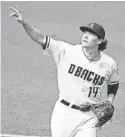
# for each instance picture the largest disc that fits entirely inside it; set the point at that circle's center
(90, 40)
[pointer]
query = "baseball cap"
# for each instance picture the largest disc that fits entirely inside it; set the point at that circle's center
(94, 28)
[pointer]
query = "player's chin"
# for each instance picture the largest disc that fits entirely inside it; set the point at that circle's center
(84, 45)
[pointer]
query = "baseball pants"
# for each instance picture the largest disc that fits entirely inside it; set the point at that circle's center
(68, 122)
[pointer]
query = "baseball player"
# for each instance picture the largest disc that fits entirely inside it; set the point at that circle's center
(82, 72)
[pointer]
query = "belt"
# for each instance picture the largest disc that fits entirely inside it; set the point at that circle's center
(83, 108)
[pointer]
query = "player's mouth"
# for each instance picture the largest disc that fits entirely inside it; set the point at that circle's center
(85, 41)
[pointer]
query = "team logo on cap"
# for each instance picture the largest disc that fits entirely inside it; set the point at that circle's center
(91, 26)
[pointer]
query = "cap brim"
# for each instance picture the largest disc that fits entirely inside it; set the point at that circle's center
(82, 28)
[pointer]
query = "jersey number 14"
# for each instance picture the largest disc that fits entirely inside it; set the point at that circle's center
(93, 91)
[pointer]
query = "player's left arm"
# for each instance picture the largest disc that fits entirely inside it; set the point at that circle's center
(113, 83)
(112, 91)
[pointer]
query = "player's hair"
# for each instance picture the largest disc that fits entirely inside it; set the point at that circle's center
(103, 45)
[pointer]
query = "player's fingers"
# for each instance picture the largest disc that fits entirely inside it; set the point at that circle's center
(15, 10)
(13, 15)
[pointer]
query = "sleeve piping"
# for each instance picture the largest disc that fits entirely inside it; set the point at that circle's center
(47, 41)
(46, 45)
(113, 83)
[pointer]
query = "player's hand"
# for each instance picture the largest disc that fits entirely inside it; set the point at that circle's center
(18, 15)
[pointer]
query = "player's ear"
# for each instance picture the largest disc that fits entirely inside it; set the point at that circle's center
(100, 40)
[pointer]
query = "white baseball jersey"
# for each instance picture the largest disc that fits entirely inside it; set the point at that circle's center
(79, 79)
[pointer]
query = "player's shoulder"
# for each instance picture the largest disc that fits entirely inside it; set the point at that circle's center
(69, 45)
(63, 42)
(108, 59)
(66, 45)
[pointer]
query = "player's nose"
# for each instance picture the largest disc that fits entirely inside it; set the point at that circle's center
(85, 35)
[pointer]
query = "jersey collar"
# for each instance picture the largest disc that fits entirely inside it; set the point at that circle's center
(91, 60)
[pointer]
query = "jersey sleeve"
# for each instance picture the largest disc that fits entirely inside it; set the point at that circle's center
(114, 77)
(56, 48)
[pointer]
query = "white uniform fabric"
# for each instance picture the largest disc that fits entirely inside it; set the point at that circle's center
(80, 81)
(68, 122)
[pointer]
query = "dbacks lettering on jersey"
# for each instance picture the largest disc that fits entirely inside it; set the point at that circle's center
(86, 74)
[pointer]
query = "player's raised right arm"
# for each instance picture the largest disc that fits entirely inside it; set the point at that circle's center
(56, 48)
(34, 33)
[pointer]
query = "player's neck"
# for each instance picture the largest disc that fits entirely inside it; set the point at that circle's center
(91, 53)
